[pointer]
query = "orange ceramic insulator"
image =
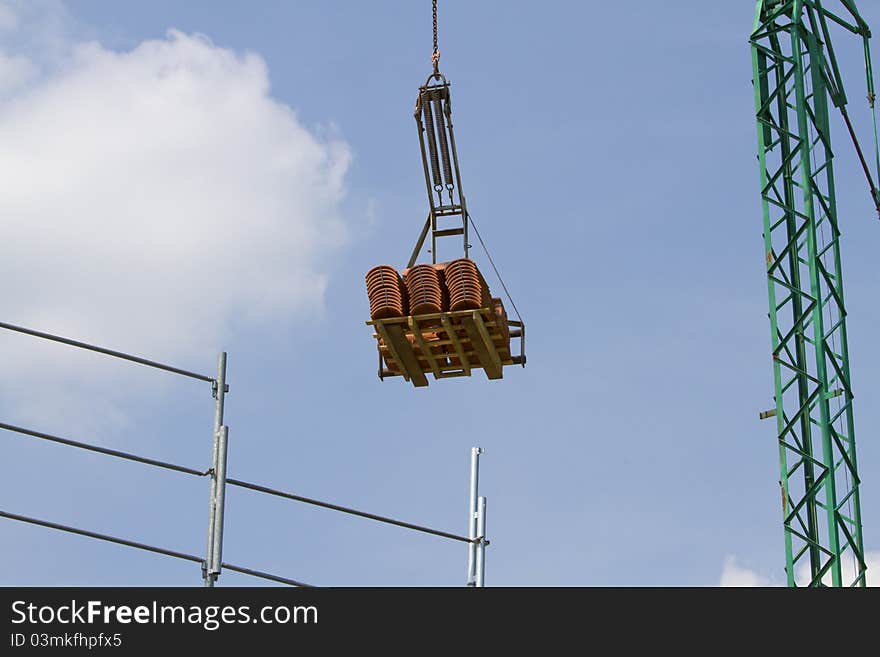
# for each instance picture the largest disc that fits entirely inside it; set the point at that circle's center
(423, 288)
(385, 291)
(465, 285)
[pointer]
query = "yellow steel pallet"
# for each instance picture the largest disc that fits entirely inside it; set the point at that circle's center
(448, 344)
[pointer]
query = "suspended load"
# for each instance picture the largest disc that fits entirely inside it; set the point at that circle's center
(440, 318)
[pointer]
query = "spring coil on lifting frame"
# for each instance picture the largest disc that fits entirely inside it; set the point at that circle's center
(444, 144)
(432, 142)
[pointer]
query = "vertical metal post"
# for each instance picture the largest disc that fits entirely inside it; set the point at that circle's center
(472, 513)
(219, 503)
(219, 396)
(480, 570)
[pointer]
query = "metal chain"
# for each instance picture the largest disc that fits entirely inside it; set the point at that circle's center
(435, 24)
(435, 54)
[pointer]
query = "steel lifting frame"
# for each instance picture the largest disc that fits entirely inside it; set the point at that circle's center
(795, 76)
(446, 202)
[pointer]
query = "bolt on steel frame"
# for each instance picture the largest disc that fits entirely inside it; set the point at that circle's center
(795, 75)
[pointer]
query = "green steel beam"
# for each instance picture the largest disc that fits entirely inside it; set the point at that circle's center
(795, 76)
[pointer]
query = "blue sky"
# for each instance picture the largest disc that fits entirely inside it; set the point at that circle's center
(608, 156)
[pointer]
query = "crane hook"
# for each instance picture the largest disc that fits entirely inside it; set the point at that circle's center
(435, 60)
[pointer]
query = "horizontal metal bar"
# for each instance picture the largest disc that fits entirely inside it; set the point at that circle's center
(101, 537)
(232, 482)
(269, 576)
(143, 546)
(101, 450)
(343, 509)
(107, 352)
(449, 232)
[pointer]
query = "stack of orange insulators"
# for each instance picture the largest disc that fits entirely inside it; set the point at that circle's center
(467, 290)
(387, 293)
(423, 288)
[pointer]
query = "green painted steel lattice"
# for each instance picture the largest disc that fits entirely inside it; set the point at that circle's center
(796, 78)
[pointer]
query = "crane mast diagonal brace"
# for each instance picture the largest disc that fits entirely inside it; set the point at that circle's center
(447, 209)
(795, 75)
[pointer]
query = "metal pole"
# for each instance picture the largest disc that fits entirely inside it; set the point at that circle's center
(219, 504)
(472, 512)
(219, 395)
(481, 534)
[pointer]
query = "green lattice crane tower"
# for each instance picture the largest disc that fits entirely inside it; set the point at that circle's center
(797, 82)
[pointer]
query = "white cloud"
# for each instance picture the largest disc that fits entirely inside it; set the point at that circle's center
(14, 70)
(156, 201)
(872, 560)
(848, 570)
(732, 574)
